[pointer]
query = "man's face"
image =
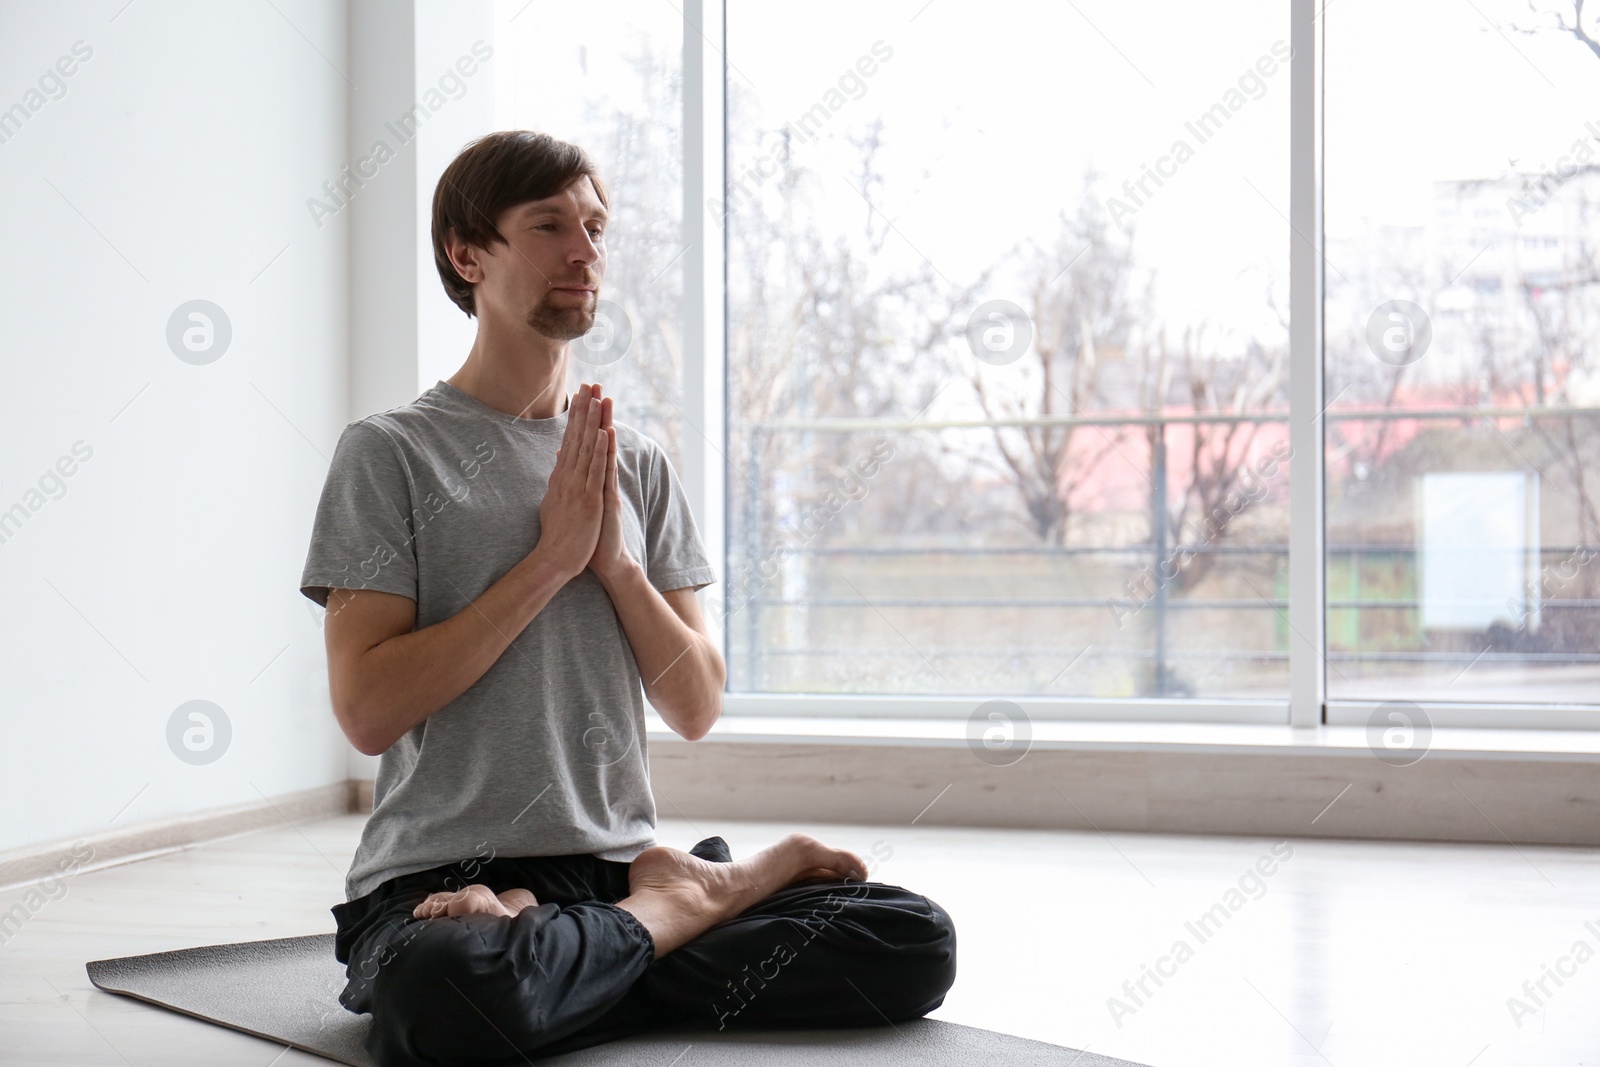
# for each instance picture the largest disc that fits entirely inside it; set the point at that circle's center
(549, 277)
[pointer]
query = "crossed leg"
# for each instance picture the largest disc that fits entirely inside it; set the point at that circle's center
(475, 900)
(837, 953)
(486, 978)
(676, 895)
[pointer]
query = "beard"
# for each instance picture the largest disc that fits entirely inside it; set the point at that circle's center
(562, 322)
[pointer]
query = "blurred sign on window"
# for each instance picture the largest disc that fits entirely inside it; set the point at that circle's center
(1478, 545)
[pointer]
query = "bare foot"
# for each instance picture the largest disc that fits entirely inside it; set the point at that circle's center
(678, 896)
(475, 900)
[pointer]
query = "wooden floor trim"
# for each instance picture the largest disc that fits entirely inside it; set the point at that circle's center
(155, 837)
(1500, 800)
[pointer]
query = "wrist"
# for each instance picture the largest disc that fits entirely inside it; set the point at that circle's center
(626, 572)
(540, 563)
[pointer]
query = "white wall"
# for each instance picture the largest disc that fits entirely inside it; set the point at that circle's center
(426, 89)
(451, 36)
(176, 166)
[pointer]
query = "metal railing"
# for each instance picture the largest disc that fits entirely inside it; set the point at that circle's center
(1156, 551)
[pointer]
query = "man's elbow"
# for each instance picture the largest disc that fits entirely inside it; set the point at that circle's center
(696, 732)
(701, 725)
(364, 739)
(365, 743)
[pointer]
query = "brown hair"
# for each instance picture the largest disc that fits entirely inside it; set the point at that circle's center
(494, 172)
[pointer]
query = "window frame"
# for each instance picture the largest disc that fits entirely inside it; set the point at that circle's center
(705, 70)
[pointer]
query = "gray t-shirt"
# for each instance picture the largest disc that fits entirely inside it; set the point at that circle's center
(545, 753)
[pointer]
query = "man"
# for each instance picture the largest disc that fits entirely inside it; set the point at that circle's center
(504, 567)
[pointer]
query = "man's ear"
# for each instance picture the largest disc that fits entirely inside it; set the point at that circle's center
(463, 257)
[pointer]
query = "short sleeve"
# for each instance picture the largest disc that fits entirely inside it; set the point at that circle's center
(360, 538)
(677, 555)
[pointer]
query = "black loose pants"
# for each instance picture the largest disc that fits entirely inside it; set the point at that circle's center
(576, 970)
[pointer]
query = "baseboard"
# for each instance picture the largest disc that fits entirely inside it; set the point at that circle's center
(155, 837)
(1502, 800)
(1493, 800)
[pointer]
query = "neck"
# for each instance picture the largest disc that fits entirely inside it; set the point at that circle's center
(515, 370)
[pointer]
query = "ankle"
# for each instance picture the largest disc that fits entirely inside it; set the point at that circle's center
(673, 915)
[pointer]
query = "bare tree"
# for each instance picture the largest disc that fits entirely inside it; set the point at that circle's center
(642, 164)
(1220, 452)
(1585, 36)
(1082, 298)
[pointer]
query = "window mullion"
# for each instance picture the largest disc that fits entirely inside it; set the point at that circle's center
(1307, 630)
(704, 441)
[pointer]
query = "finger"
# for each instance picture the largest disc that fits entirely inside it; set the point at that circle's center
(597, 463)
(570, 434)
(609, 479)
(578, 422)
(606, 424)
(573, 407)
(586, 442)
(611, 460)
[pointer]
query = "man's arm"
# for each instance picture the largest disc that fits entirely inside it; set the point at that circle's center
(385, 677)
(384, 680)
(682, 670)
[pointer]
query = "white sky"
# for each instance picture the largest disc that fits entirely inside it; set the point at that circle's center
(1003, 103)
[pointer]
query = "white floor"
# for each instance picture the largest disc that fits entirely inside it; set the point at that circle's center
(1349, 955)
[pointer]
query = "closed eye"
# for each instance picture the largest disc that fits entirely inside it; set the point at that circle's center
(596, 230)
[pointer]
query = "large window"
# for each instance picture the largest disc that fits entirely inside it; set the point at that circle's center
(1462, 315)
(1007, 349)
(614, 86)
(1012, 383)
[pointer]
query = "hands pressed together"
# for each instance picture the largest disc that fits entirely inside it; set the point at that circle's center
(580, 519)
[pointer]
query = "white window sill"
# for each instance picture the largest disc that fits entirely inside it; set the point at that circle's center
(1266, 739)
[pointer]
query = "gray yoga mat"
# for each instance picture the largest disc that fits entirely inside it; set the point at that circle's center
(287, 990)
